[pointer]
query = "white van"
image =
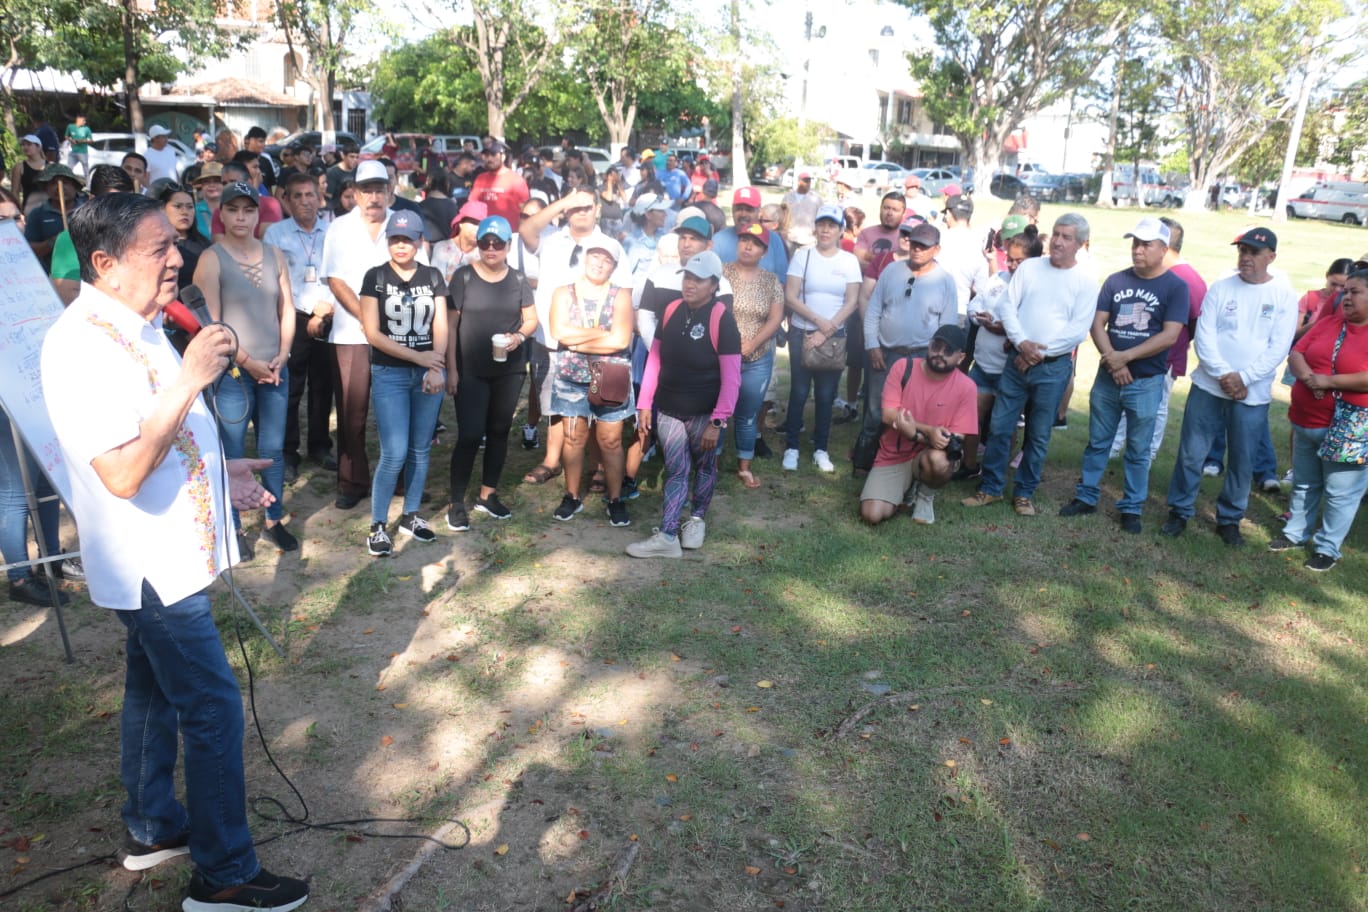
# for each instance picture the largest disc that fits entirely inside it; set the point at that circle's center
(1337, 201)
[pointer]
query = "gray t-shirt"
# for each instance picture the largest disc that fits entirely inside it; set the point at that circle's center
(907, 316)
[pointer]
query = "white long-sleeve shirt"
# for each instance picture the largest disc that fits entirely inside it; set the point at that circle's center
(1050, 306)
(1248, 329)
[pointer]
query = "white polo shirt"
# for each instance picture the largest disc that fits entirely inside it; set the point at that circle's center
(171, 533)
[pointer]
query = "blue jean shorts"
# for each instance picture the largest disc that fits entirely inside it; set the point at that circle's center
(986, 382)
(571, 400)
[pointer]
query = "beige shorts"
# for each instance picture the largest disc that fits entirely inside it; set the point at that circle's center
(889, 483)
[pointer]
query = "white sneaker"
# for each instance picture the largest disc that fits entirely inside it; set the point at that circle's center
(692, 533)
(1272, 485)
(1287, 479)
(658, 545)
(924, 508)
(790, 460)
(1211, 470)
(823, 461)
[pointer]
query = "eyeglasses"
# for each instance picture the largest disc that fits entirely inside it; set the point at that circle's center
(490, 242)
(907, 292)
(941, 347)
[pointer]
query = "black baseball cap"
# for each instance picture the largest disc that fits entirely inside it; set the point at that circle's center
(952, 336)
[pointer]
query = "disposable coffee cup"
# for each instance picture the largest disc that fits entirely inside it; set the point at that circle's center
(500, 342)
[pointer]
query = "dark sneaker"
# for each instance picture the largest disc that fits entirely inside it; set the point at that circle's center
(291, 473)
(1320, 562)
(569, 506)
(1130, 522)
(1283, 543)
(138, 857)
(325, 459)
(1174, 526)
(1061, 424)
(630, 491)
(529, 438)
(346, 501)
(456, 518)
(762, 449)
(967, 473)
(492, 506)
(416, 528)
(246, 550)
(280, 536)
(1077, 507)
(1229, 533)
(378, 542)
(617, 513)
(35, 592)
(265, 891)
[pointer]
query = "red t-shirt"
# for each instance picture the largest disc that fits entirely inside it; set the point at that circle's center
(951, 403)
(503, 191)
(1318, 347)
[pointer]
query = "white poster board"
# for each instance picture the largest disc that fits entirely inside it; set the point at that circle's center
(28, 308)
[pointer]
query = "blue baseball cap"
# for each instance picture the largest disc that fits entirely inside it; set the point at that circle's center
(496, 225)
(831, 212)
(403, 223)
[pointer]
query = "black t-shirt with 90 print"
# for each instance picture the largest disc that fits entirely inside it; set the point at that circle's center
(406, 308)
(690, 375)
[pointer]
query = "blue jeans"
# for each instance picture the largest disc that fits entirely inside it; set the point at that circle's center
(755, 377)
(1265, 458)
(1042, 387)
(1139, 402)
(177, 685)
(801, 382)
(1332, 489)
(1205, 418)
(14, 514)
(239, 401)
(405, 418)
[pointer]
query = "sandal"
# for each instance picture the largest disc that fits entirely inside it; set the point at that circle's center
(747, 478)
(599, 483)
(541, 475)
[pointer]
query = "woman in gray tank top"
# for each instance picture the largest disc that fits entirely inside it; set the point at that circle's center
(246, 285)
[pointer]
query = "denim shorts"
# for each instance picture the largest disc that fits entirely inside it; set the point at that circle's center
(571, 400)
(986, 382)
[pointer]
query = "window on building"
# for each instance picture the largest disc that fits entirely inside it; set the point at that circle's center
(904, 111)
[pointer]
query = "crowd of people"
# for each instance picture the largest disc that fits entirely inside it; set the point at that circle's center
(645, 324)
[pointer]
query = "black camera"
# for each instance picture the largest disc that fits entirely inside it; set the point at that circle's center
(954, 448)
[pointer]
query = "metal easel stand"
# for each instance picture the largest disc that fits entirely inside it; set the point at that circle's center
(45, 560)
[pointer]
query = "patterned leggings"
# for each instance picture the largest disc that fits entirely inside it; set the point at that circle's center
(681, 439)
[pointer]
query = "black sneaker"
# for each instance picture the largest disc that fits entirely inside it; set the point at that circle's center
(457, 520)
(1061, 424)
(630, 491)
(280, 536)
(617, 513)
(138, 857)
(1130, 522)
(416, 528)
(265, 891)
(492, 506)
(967, 473)
(529, 438)
(291, 473)
(1230, 534)
(1077, 507)
(378, 542)
(1320, 562)
(246, 550)
(34, 591)
(1283, 543)
(346, 501)
(1173, 526)
(762, 449)
(569, 506)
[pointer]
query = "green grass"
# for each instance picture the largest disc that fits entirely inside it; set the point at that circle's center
(1079, 719)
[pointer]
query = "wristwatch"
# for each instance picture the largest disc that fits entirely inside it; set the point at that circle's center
(719, 423)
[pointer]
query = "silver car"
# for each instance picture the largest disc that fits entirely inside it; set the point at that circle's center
(935, 180)
(110, 149)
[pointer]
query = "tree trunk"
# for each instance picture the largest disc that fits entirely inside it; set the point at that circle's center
(1105, 197)
(495, 115)
(327, 85)
(1293, 141)
(739, 175)
(135, 114)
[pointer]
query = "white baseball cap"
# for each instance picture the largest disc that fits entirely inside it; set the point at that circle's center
(1149, 228)
(157, 130)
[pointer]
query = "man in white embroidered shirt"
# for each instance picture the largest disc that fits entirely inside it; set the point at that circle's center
(1049, 310)
(149, 491)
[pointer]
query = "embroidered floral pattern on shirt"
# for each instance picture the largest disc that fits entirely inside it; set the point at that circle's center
(196, 474)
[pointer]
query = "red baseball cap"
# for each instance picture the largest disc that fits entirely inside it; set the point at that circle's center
(746, 196)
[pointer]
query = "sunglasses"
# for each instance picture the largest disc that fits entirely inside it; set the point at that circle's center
(490, 242)
(907, 292)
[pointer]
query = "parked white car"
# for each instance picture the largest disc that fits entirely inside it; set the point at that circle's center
(110, 149)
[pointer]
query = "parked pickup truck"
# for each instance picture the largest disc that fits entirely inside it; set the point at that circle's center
(1341, 201)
